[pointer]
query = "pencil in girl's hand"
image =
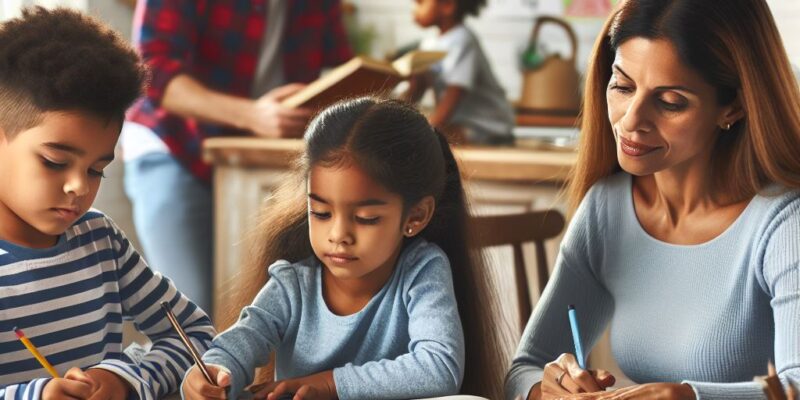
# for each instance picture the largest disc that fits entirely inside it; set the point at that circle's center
(186, 342)
(39, 357)
(773, 387)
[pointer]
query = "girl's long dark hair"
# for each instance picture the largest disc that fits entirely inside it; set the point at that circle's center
(399, 149)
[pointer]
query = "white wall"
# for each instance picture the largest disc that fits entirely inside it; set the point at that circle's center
(504, 28)
(787, 16)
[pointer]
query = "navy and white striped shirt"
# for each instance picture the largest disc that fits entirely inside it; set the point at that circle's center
(71, 299)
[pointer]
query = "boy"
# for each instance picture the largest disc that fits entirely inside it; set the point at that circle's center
(470, 103)
(68, 275)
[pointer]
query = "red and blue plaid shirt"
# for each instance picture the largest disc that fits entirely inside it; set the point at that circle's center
(217, 42)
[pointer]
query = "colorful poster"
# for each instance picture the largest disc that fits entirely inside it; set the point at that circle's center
(588, 8)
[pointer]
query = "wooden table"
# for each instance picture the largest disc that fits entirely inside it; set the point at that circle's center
(498, 179)
(489, 163)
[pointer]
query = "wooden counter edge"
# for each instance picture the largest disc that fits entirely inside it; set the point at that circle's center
(477, 163)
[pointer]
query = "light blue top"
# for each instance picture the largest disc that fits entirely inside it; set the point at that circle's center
(711, 315)
(406, 342)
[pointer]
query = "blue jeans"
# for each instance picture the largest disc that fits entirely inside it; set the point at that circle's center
(172, 212)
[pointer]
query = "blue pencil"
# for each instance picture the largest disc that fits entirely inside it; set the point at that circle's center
(576, 335)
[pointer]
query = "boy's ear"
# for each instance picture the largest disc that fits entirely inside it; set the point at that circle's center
(419, 216)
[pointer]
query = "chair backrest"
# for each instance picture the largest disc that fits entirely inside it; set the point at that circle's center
(514, 230)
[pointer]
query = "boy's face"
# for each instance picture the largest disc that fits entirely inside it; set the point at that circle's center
(50, 174)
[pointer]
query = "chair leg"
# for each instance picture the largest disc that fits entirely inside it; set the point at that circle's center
(523, 292)
(542, 273)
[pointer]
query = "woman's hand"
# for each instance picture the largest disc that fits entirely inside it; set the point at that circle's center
(195, 386)
(649, 391)
(319, 386)
(564, 376)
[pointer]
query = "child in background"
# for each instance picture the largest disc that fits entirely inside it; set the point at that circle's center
(470, 103)
(68, 275)
(370, 272)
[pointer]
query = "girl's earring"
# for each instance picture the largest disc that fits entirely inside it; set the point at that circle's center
(409, 231)
(727, 126)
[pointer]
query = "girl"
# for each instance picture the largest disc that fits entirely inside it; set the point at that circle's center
(686, 240)
(368, 303)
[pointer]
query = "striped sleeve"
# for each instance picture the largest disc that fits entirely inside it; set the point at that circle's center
(24, 391)
(160, 370)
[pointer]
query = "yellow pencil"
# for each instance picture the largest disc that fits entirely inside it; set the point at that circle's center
(39, 356)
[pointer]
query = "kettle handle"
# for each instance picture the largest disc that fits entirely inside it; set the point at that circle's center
(570, 32)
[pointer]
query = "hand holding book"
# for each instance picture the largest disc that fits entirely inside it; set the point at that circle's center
(361, 76)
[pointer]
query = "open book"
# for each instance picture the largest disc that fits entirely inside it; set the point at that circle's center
(361, 76)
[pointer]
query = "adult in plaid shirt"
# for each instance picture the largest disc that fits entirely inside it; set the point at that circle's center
(219, 68)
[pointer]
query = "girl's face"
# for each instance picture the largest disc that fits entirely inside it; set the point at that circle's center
(665, 116)
(51, 174)
(356, 225)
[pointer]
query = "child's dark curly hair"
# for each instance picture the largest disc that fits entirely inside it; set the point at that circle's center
(468, 7)
(62, 60)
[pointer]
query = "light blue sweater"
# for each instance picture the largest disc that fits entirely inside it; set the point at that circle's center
(406, 342)
(711, 315)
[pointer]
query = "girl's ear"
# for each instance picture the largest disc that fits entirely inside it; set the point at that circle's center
(419, 216)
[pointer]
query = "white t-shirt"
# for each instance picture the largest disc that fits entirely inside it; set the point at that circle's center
(484, 111)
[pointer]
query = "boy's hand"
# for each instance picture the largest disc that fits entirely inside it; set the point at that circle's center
(195, 386)
(319, 386)
(107, 385)
(76, 384)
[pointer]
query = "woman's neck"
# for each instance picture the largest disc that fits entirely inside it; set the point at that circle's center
(681, 207)
(678, 194)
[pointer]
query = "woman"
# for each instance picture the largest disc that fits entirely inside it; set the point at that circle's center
(686, 238)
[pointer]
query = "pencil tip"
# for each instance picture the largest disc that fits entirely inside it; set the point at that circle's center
(571, 307)
(771, 369)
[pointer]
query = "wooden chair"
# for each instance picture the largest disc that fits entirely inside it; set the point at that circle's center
(514, 230)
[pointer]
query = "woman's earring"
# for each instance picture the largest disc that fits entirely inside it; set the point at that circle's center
(409, 231)
(727, 126)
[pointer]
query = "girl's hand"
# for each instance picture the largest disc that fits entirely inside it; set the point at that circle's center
(564, 376)
(75, 384)
(195, 386)
(650, 391)
(107, 385)
(319, 386)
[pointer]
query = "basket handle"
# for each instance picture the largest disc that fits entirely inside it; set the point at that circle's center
(573, 39)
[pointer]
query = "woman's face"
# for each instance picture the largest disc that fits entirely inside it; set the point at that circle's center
(664, 115)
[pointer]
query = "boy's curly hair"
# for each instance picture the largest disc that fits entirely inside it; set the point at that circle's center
(468, 7)
(62, 60)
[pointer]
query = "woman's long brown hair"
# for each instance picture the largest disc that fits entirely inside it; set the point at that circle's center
(397, 147)
(736, 47)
